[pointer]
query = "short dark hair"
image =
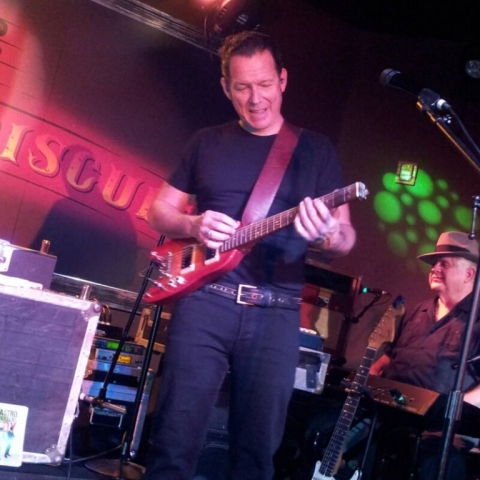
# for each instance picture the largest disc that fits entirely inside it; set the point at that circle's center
(247, 43)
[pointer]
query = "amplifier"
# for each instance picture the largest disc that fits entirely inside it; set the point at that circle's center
(132, 354)
(124, 393)
(327, 302)
(100, 369)
(121, 376)
(127, 369)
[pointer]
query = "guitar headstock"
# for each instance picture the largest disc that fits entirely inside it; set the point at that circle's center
(361, 190)
(384, 331)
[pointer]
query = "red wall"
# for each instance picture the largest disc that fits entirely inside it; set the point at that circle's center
(93, 108)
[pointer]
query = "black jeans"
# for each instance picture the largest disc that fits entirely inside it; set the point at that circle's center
(209, 336)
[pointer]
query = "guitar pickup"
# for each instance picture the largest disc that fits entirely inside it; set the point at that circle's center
(211, 255)
(187, 257)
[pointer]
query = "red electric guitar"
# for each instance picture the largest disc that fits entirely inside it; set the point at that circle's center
(185, 265)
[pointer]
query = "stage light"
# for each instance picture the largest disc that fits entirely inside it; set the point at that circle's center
(472, 68)
(469, 60)
(232, 16)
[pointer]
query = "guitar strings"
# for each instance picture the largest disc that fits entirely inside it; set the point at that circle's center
(251, 232)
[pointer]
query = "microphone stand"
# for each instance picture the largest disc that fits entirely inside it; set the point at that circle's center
(124, 469)
(455, 399)
(426, 102)
(356, 318)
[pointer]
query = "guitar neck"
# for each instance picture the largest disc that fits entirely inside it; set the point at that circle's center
(257, 230)
(337, 440)
(384, 331)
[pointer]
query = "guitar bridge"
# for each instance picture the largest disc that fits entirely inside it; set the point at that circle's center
(163, 263)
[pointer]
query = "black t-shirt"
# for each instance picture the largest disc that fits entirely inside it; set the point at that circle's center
(221, 166)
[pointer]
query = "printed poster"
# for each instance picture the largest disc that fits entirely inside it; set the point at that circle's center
(13, 423)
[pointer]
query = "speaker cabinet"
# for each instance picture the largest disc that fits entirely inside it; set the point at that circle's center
(327, 303)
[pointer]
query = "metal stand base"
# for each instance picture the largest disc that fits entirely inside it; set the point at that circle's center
(117, 469)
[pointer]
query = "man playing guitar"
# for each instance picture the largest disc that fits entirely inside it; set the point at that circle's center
(247, 321)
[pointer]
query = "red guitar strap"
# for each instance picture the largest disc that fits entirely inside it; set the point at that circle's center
(271, 175)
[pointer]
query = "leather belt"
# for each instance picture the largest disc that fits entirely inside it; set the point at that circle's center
(251, 295)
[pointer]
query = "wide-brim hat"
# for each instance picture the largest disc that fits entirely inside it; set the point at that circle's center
(452, 244)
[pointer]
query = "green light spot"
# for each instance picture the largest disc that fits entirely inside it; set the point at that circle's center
(454, 196)
(412, 235)
(389, 184)
(410, 219)
(388, 207)
(426, 248)
(423, 187)
(429, 212)
(397, 244)
(442, 184)
(443, 201)
(431, 233)
(463, 216)
(406, 199)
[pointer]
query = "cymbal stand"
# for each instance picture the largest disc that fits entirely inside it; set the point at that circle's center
(123, 468)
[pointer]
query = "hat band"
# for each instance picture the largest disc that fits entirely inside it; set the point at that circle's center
(451, 248)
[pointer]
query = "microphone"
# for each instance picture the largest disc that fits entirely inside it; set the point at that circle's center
(376, 291)
(395, 79)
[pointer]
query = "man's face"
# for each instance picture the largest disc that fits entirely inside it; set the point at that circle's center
(256, 89)
(448, 275)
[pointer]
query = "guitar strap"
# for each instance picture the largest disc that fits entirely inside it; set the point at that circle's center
(271, 175)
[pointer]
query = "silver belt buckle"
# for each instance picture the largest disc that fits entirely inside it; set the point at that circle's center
(240, 292)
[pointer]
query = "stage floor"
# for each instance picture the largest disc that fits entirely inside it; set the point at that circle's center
(76, 472)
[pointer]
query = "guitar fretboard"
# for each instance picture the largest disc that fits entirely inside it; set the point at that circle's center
(337, 440)
(262, 228)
